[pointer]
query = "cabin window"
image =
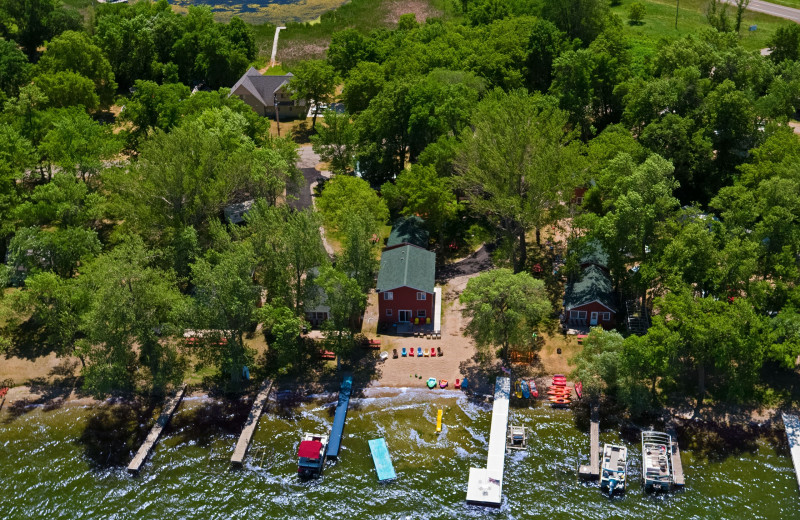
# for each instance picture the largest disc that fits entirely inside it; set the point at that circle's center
(388, 295)
(606, 316)
(388, 312)
(421, 313)
(577, 315)
(421, 295)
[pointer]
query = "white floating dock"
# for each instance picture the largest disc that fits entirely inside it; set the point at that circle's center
(792, 424)
(437, 309)
(152, 437)
(486, 485)
(237, 459)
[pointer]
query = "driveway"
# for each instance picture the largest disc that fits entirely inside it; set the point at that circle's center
(759, 6)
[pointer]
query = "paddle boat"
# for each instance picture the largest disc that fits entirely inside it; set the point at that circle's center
(526, 392)
(419, 351)
(534, 390)
(443, 383)
(403, 352)
(311, 455)
(458, 384)
(579, 389)
(517, 389)
(613, 468)
(431, 383)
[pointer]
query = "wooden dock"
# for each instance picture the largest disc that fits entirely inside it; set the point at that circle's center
(485, 486)
(675, 458)
(792, 424)
(237, 459)
(152, 438)
(592, 471)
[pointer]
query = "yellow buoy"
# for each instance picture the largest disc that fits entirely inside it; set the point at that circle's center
(439, 421)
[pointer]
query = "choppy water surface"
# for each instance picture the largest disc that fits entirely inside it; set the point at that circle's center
(52, 466)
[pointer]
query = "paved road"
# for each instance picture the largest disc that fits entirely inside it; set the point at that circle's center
(780, 11)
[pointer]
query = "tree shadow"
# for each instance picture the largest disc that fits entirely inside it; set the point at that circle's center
(50, 392)
(114, 432)
(302, 132)
(203, 424)
(480, 372)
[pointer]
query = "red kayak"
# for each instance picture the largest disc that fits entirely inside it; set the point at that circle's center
(534, 390)
(579, 389)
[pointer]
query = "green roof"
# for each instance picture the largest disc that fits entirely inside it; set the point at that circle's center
(408, 230)
(593, 253)
(594, 285)
(407, 266)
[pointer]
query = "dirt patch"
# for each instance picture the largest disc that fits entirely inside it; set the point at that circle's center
(293, 51)
(421, 10)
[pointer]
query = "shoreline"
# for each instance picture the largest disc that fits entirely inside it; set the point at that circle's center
(763, 419)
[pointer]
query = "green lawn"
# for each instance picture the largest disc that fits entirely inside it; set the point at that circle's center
(659, 24)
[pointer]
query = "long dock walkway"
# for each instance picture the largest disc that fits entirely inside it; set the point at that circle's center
(485, 486)
(242, 445)
(592, 471)
(339, 417)
(152, 438)
(792, 424)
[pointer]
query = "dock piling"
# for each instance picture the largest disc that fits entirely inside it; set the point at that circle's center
(152, 438)
(242, 445)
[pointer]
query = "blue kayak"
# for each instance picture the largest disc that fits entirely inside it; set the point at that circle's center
(526, 392)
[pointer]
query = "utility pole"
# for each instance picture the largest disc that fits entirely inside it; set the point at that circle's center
(277, 117)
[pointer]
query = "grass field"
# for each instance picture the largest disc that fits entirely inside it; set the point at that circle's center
(659, 24)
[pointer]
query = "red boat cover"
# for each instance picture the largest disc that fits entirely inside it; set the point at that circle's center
(309, 449)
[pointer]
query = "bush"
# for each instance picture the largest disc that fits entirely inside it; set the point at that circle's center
(636, 13)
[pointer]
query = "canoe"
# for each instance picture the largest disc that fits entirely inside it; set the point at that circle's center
(431, 382)
(579, 389)
(517, 390)
(534, 390)
(443, 383)
(526, 391)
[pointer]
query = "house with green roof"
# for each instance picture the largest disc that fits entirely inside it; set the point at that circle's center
(589, 300)
(408, 230)
(406, 285)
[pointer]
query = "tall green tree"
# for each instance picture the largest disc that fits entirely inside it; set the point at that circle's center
(336, 142)
(518, 163)
(504, 309)
(313, 80)
(77, 144)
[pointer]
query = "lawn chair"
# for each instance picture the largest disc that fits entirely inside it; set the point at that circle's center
(394, 353)
(433, 352)
(440, 351)
(411, 353)
(419, 351)
(427, 353)
(403, 352)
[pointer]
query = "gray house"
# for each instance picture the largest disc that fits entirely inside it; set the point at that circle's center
(262, 92)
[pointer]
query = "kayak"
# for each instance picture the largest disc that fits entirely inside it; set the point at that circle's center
(534, 390)
(431, 382)
(517, 390)
(526, 391)
(579, 389)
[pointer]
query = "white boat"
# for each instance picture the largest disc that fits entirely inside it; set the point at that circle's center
(311, 455)
(614, 468)
(656, 463)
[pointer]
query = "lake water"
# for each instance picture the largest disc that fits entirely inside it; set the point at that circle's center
(261, 11)
(70, 463)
